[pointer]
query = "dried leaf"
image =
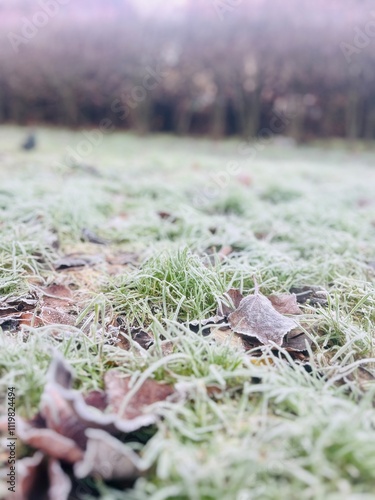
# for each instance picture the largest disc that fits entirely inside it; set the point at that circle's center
(117, 387)
(97, 399)
(228, 337)
(229, 302)
(224, 252)
(13, 305)
(256, 317)
(54, 294)
(77, 260)
(205, 324)
(108, 458)
(67, 411)
(75, 430)
(29, 472)
(91, 237)
(50, 316)
(68, 262)
(60, 416)
(296, 340)
(10, 323)
(49, 442)
(121, 337)
(59, 483)
(12, 309)
(311, 294)
(285, 303)
(167, 216)
(60, 372)
(124, 259)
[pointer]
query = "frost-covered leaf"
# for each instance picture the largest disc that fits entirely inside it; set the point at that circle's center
(49, 441)
(118, 387)
(229, 302)
(296, 340)
(256, 317)
(311, 294)
(285, 303)
(106, 457)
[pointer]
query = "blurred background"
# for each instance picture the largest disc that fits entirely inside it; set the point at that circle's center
(301, 68)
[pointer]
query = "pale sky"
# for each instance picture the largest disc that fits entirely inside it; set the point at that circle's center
(150, 7)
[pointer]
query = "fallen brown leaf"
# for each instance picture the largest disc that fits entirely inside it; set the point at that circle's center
(121, 337)
(227, 336)
(205, 325)
(224, 252)
(91, 237)
(50, 316)
(285, 303)
(257, 318)
(108, 458)
(311, 294)
(49, 442)
(167, 216)
(296, 340)
(52, 295)
(13, 305)
(60, 484)
(229, 302)
(77, 260)
(29, 470)
(75, 430)
(117, 388)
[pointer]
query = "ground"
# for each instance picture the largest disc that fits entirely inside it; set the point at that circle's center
(109, 258)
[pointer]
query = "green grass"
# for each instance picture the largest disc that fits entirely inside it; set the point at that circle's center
(273, 429)
(175, 286)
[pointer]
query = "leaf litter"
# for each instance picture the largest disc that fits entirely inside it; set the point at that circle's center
(256, 320)
(76, 436)
(256, 317)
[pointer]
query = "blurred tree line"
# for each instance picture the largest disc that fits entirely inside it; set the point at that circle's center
(299, 67)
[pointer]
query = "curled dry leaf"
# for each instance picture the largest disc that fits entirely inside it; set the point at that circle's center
(296, 340)
(29, 470)
(50, 316)
(91, 237)
(167, 216)
(76, 430)
(67, 411)
(206, 324)
(285, 303)
(108, 458)
(224, 252)
(257, 318)
(229, 302)
(52, 295)
(77, 260)
(228, 337)
(117, 387)
(39, 477)
(120, 336)
(49, 441)
(13, 305)
(60, 484)
(311, 294)
(54, 308)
